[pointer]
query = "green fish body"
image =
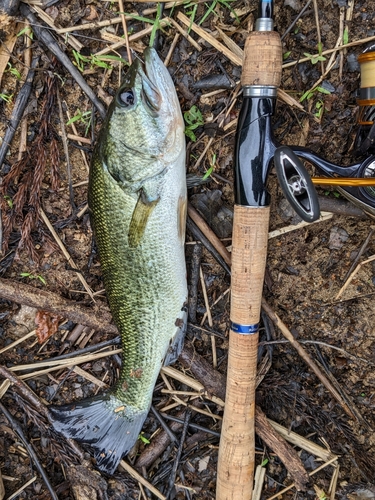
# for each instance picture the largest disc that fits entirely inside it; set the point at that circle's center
(137, 200)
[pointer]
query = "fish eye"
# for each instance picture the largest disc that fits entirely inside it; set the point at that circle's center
(126, 98)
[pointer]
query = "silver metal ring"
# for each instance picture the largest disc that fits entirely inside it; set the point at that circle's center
(259, 91)
(264, 24)
(367, 93)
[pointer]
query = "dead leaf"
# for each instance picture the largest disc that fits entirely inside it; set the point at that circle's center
(47, 325)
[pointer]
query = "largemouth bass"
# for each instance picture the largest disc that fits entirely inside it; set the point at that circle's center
(137, 199)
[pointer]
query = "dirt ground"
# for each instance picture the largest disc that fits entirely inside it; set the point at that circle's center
(306, 267)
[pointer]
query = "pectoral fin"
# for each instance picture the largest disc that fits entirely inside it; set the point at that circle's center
(181, 217)
(141, 214)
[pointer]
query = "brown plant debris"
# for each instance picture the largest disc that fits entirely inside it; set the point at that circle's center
(21, 187)
(47, 325)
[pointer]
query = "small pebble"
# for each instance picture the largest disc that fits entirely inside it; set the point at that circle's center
(97, 366)
(337, 238)
(326, 85)
(291, 270)
(44, 441)
(25, 317)
(353, 64)
(294, 4)
(78, 393)
(287, 213)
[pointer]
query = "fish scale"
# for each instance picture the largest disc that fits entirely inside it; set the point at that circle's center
(137, 200)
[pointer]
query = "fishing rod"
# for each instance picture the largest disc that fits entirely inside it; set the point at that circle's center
(255, 150)
(261, 76)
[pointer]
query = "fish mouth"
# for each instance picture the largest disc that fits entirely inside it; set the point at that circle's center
(153, 67)
(158, 76)
(153, 84)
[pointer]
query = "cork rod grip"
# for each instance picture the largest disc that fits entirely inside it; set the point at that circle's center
(237, 447)
(262, 63)
(367, 64)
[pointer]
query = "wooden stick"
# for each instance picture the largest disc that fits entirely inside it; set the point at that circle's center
(363, 41)
(93, 25)
(349, 280)
(141, 480)
(168, 5)
(205, 296)
(78, 138)
(66, 253)
(297, 440)
(125, 28)
(210, 39)
(287, 229)
(306, 357)
(18, 341)
(3, 389)
(132, 38)
(194, 384)
(260, 474)
(185, 34)
(210, 235)
(360, 253)
(333, 483)
(6, 49)
(98, 318)
(71, 40)
(171, 49)
(317, 23)
(89, 377)
(280, 493)
(20, 490)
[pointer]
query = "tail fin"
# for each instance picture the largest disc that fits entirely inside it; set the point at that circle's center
(102, 422)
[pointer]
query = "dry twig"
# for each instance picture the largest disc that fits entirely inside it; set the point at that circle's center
(44, 36)
(210, 235)
(18, 430)
(66, 253)
(125, 29)
(205, 296)
(280, 493)
(317, 24)
(210, 39)
(142, 480)
(185, 34)
(360, 253)
(23, 487)
(214, 382)
(363, 41)
(18, 109)
(351, 411)
(98, 317)
(351, 277)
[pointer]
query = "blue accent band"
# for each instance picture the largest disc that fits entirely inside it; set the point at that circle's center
(244, 329)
